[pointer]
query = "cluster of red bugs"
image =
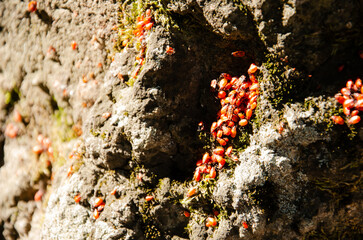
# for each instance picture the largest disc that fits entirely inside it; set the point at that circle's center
(98, 207)
(12, 130)
(143, 24)
(351, 97)
(76, 154)
(44, 145)
(238, 98)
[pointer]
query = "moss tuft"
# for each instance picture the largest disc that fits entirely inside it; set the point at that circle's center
(286, 82)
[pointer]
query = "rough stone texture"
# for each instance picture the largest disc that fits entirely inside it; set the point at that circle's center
(297, 176)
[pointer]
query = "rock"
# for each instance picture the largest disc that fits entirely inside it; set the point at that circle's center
(121, 123)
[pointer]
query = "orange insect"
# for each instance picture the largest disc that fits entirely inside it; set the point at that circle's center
(221, 141)
(106, 115)
(96, 214)
(245, 225)
(101, 207)
(253, 68)
(349, 103)
(337, 120)
(149, 198)
(200, 126)
(114, 191)
(211, 222)
(238, 54)
(243, 122)
(358, 83)
(205, 158)
(212, 173)
(74, 45)
(221, 94)
(170, 50)
(77, 198)
(191, 192)
(38, 195)
(11, 131)
(248, 113)
(70, 171)
(354, 120)
(197, 175)
(17, 117)
(37, 149)
(229, 150)
(186, 214)
(32, 6)
(149, 26)
(345, 91)
(219, 151)
(98, 202)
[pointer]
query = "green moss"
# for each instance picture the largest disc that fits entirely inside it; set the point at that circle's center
(240, 6)
(128, 13)
(11, 97)
(322, 116)
(286, 81)
(130, 82)
(150, 229)
(94, 133)
(62, 126)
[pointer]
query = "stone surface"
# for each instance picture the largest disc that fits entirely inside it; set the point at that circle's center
(297, 174)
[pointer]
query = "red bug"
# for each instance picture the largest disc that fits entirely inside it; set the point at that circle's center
(70, 171)
(211, 222)
(229, 150)
(149, 26)
(212, 173)
(337, 120)
(17, 117)
(77, 198)
(106, 115)
(221, 94)
(219, 151)
(186, 214)
(205, 158)
(170, 50)
(245, 225)
(354, 120)
(200, 126)
(98, 202)
(37, 149)
(191, 192)
(101, 207)
(248, 113)
(38, 195)
(11, 131)
(197, 175)
(253, 68)
(96, 214)
(32, 6)
(114, 191)
(238, 54)
(149, 198)
(243, 122)
(74, 45)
